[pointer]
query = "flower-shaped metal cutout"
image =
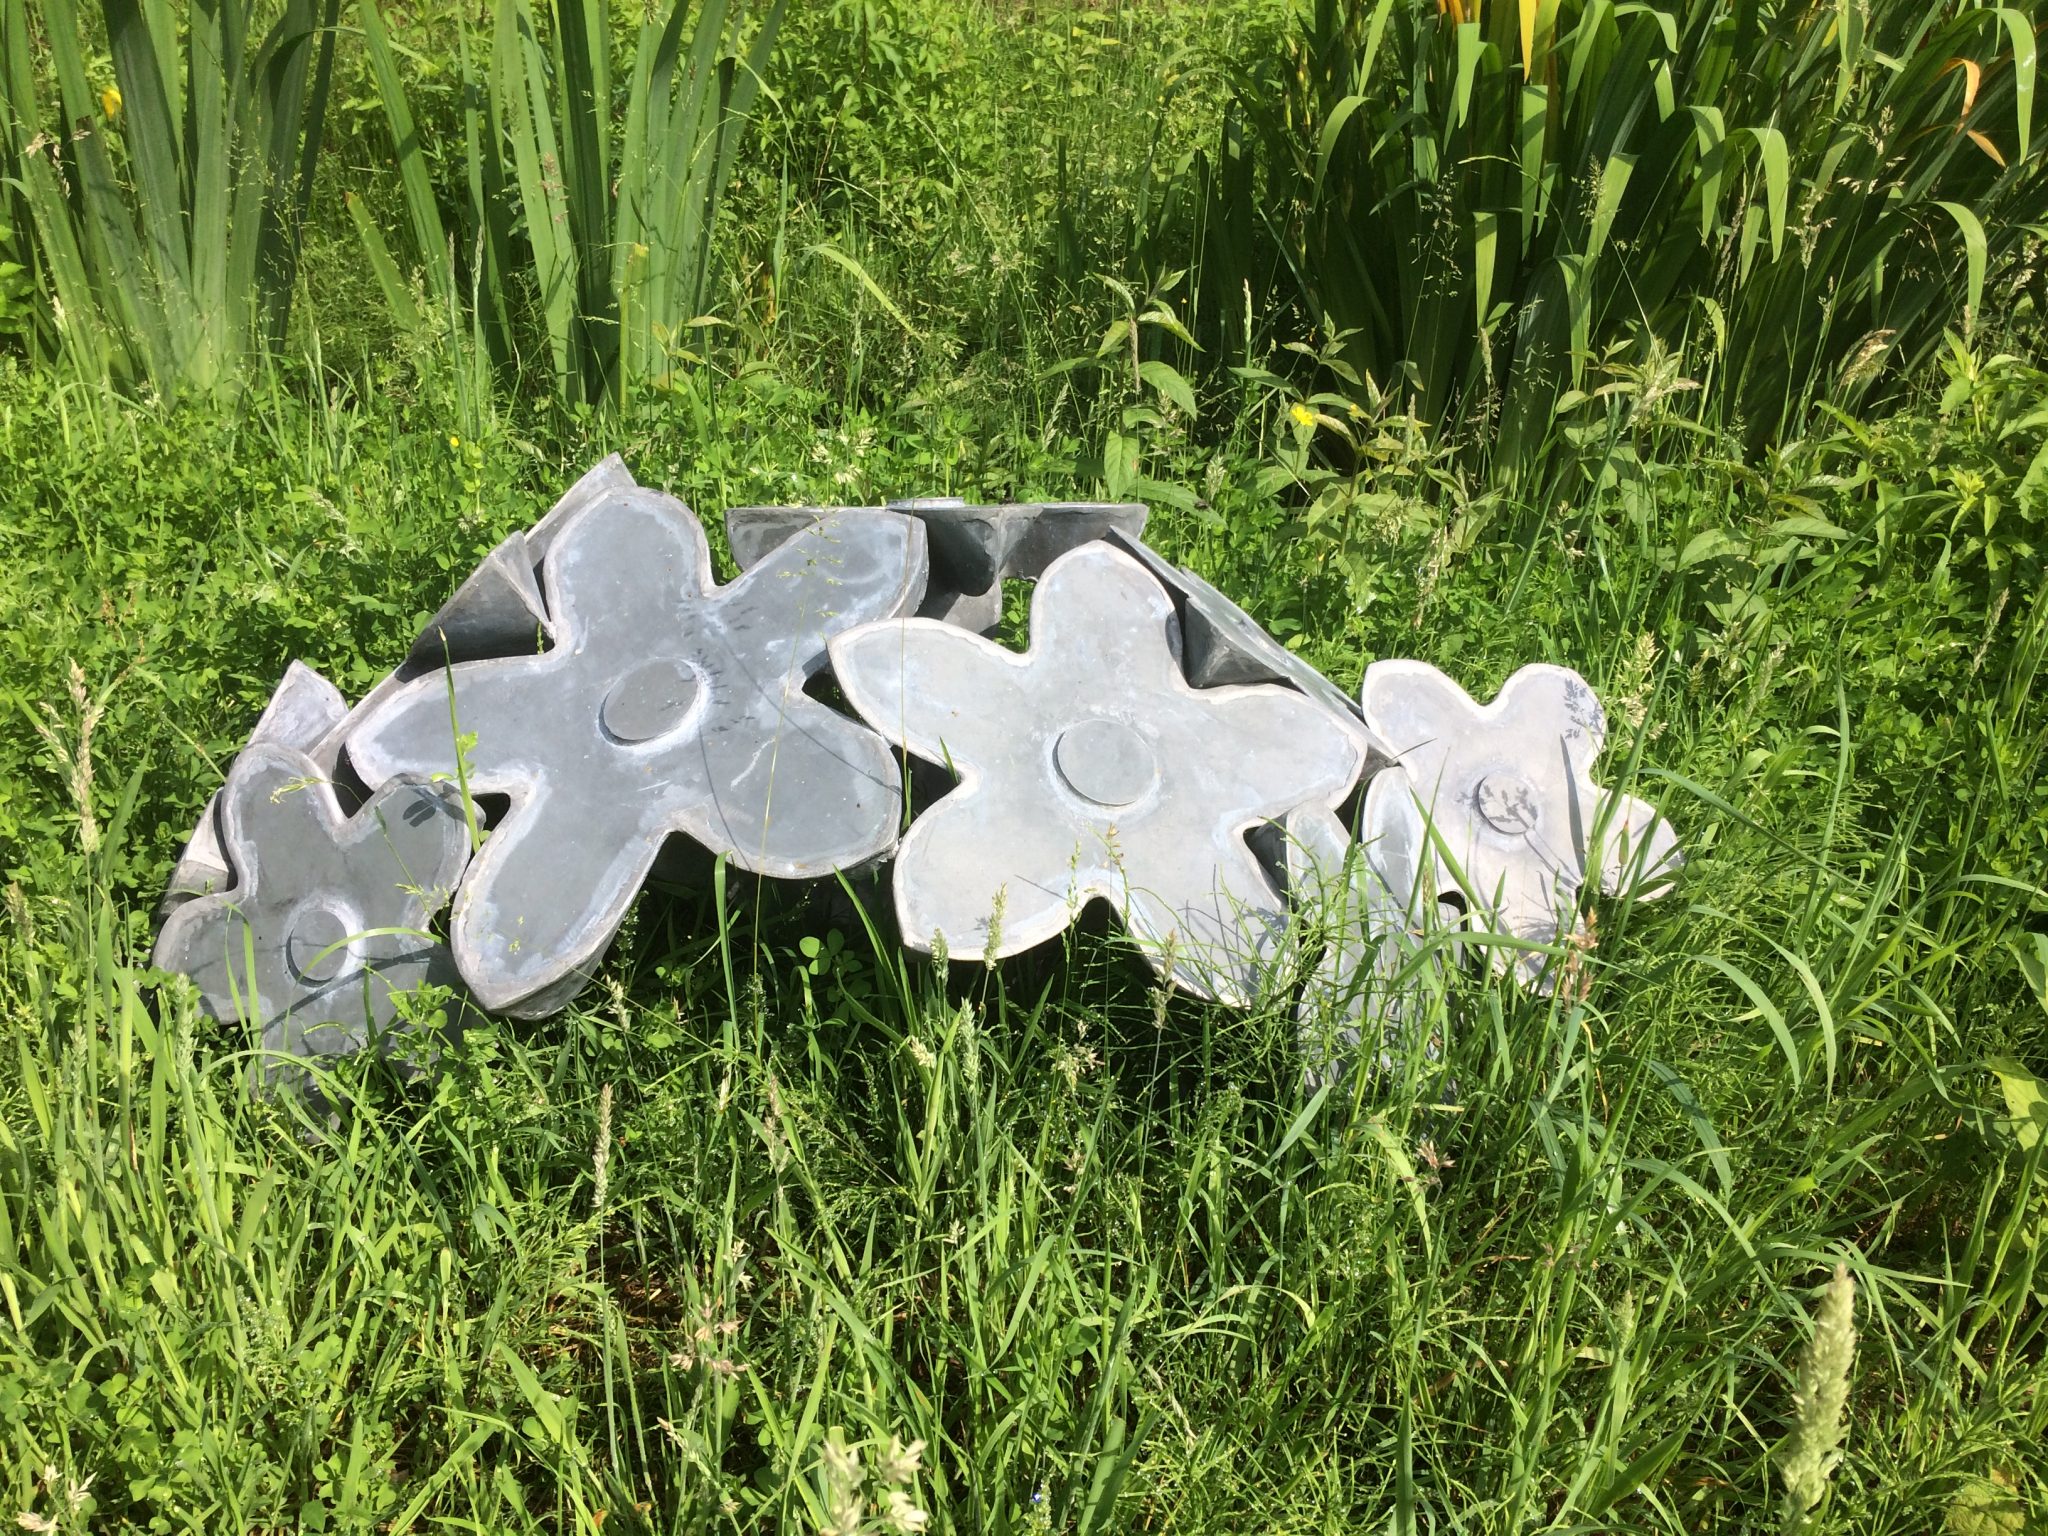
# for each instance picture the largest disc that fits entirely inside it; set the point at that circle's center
(1089, 767)
(327, 915)
(1508, 788)
(666, 705)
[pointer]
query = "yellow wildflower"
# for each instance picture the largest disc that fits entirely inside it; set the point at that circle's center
(454, 441)
(110, 102)
(1303, 416)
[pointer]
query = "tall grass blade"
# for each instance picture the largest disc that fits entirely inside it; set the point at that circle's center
(616, 198)
(1598, 173)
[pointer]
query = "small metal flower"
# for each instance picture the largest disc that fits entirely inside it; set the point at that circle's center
(1508, 788)
(666, 705)
(1088, 768)
(327, 915)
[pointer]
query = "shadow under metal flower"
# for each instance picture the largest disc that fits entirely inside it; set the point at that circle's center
(327, 915)
(1088, 768)
(1508, 789)
(666, 705)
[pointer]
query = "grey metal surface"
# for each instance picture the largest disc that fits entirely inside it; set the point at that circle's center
(303, 708)
(1223, 644)
(617, 698)
(1508, 786)
(605, 479)
(497, 611)
(666, 705)
(326, 915)
(974, 549)
(1088, 767)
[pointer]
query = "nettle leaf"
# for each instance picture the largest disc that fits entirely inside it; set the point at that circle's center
(2026, 1100)
(1809, 527)
(1710, 544)
(1169, 382)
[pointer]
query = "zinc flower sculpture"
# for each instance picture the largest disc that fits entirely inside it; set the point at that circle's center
(666, 705)
(326, 915)
(497, 610)
(1089, 767)
(1508, 788)
(303, 709)
(603, 695)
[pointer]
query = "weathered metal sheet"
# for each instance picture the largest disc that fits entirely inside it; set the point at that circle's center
(497, 611)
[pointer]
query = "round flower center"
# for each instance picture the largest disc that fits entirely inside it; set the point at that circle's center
(1507, 802)
(1107, 762)
(649, 701)
(318, 948)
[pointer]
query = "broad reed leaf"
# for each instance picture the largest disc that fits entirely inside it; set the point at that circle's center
(1387, 181)
(616, 192)
(178, 268)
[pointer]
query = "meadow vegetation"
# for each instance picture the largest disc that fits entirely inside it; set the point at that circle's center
(1695, 344)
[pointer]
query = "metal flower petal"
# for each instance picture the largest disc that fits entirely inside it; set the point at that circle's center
(327, 915)
(303, 708)
(1508, 787)
(666, 705)
(974, 549)
(1088, 767)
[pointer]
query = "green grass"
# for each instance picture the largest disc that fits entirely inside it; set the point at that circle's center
(770, 1191)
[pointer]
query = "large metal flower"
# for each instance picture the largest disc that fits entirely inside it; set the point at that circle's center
(496, 611)
(327, 915)
(666, 705)
(1508, 788)
(1088, 768)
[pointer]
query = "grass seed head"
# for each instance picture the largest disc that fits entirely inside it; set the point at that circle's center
(601, 1151)
(1811, 1450)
